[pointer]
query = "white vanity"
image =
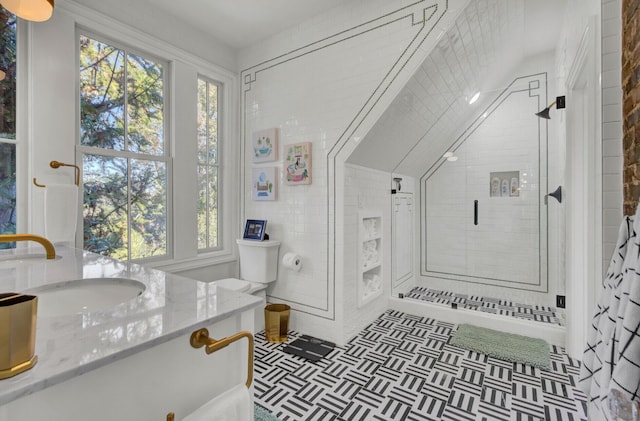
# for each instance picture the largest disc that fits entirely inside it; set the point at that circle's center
(131, 361)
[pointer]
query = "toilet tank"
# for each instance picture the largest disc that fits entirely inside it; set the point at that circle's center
(258, 260)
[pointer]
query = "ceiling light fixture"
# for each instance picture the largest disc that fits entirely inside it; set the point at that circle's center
(33, 10)
(474, 98)
(559, 104)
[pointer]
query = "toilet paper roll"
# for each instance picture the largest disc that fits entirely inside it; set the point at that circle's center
(292, 261)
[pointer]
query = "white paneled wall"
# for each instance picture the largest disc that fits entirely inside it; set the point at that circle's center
(365, 190)
(323, 81)
(611, 125)
(310, 106)
(326, 81)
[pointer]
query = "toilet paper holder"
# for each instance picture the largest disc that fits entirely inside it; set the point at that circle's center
(292, 261)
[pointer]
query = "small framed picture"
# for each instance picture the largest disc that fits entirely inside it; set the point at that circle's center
(264, 183)
(265, 145)
(254, 229)
(297, 162)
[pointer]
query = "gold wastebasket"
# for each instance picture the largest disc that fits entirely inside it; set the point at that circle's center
(276, 322)
(18, 313)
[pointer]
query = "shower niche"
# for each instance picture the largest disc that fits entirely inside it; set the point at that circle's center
(369, 285)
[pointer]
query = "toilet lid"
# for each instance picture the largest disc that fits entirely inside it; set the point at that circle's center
(234, 284)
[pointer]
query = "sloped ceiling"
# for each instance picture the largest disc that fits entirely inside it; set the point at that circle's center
(479, 53)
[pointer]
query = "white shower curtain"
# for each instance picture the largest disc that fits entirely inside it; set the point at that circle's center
(611, 361)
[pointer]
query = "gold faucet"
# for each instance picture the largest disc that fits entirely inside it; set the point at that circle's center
(48, 246)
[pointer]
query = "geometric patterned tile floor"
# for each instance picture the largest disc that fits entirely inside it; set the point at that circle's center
(499, 306)
(402, 367)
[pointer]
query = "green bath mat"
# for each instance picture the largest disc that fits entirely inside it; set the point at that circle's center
(505, 346)
(261, 414)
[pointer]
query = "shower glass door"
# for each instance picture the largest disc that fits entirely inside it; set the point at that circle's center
(484, 212)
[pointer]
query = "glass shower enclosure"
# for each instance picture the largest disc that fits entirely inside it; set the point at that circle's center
(483, 206)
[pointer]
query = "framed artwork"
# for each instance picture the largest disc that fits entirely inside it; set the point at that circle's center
(265, 145)
(254, 229)
(264, 183)
(297, 163)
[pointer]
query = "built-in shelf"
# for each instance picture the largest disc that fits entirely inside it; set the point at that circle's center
(369, 257)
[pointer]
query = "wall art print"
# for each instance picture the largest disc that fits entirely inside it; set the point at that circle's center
(264, 183)
(265, 145)
(297, 161)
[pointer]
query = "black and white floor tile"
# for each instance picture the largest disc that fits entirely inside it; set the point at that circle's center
(502, 307)
(401, 367)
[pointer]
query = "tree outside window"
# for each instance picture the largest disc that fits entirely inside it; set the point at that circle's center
(8, 125)
(208, 95)
(124, 152)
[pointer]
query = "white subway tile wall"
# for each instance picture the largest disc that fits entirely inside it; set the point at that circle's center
(611, 21)
(315, 81)
(318, 83)
(507, 246)
(369, 192)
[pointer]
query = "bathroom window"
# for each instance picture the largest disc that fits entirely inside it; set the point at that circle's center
(124, 151)
(208, 164)
(8, 44)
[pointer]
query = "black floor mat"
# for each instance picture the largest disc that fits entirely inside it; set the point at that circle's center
(310, 348)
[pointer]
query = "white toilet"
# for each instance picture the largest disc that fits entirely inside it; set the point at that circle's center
(258, 268)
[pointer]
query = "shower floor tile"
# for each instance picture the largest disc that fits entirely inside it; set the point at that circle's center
(401, 367)
(536, 313)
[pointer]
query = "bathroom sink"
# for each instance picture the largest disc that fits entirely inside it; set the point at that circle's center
(85, 295)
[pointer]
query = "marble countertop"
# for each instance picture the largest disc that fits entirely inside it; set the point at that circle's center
(70, 345)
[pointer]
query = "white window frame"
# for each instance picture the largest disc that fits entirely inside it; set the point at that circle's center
(218, 166)
(166, 157)
(20, 142)
(184, 68)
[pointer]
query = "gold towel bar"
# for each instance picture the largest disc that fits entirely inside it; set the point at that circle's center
(201, 338)
(57, 164)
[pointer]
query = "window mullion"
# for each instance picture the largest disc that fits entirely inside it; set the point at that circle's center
(125, 122)
(129, 208)
(92, 150)
(125, 116)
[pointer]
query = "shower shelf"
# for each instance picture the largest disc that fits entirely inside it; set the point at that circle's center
(369, 283)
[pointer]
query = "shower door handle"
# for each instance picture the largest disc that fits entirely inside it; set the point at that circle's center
(557, 194)
(475, 212)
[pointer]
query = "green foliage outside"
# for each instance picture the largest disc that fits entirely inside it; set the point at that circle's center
(125, 176)
(207, 165)
(7, 126)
